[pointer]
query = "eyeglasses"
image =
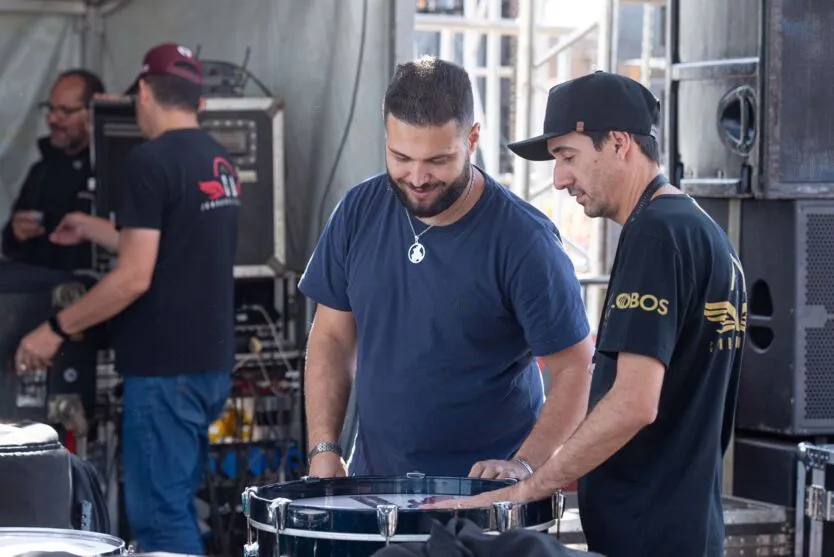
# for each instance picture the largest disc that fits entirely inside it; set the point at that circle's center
(61, 111)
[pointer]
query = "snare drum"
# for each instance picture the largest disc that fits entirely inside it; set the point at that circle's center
(34, 541)
(357, 516)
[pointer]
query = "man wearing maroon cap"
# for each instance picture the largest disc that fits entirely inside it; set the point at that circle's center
(170, 59)
(170, 297)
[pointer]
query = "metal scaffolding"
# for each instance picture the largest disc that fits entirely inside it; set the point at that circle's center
(538, 44)
(482, 20)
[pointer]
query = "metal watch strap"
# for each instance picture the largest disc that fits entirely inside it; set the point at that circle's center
(525, 464)
(324, 447)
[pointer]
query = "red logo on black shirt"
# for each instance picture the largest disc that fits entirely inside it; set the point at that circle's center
(224, 190)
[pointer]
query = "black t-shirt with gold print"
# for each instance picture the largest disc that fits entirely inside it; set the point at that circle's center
(677, 294)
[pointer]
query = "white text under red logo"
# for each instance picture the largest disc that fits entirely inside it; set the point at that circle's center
(224, 189)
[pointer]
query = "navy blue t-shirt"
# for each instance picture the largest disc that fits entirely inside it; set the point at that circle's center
(446, 374)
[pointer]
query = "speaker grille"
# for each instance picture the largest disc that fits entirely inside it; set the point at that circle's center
(819, 295)
(819, 261)
(806, 142)
(819, 379)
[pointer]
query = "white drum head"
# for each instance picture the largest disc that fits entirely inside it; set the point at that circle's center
(20, 541)
(370, 501)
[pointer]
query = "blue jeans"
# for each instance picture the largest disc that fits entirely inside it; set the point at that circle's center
(165, 438)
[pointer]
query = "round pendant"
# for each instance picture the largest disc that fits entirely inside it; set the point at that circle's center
(416, 252)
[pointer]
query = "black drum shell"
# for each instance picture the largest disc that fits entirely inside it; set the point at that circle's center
(35, 477)
(331, 524)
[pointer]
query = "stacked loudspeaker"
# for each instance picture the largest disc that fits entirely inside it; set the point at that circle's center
(750, 134)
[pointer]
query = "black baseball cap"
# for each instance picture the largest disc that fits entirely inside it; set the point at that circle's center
(598, 102)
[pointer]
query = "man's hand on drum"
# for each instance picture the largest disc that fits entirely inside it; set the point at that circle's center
(498, 470)
(493, 470)
(328, 465)
(518, 493)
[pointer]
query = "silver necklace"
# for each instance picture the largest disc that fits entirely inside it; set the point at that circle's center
(417, 251)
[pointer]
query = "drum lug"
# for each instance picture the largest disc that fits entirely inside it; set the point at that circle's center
(558, 504)
(507, 515)
(415, 475)
(278, 517)
(250, 550)
(310, 479)
(245, 499)
(386, 518)
(558, 511)
(278, 513)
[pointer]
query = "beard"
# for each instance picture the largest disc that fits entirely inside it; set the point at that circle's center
(63, 140)
(449, 192)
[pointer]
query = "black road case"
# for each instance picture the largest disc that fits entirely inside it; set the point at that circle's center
(814, 536)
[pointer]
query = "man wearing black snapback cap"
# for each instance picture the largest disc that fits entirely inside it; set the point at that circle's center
(170, 297)
(649, 454)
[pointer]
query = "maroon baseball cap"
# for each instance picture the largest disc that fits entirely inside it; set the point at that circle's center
(170, 59)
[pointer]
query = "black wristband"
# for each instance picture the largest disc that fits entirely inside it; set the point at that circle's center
(56, 328)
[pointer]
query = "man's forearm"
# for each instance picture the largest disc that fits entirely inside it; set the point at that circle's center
(109, 297)
(564, 410)
(611, 425)
(327, 383)
(102, 232)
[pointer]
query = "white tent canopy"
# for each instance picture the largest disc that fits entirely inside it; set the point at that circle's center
(306, 52)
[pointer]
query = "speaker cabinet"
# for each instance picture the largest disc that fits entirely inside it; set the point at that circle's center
(29, 296)
(748, 105)
(787, 251)
(765, 470)
(252, 131)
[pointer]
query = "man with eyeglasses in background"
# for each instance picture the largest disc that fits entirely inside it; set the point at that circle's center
(53, 184)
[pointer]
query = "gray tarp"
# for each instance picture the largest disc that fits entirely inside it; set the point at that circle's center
(306, 51)
(33, 48)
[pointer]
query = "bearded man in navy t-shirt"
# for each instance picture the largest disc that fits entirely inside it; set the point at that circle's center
(437, 289)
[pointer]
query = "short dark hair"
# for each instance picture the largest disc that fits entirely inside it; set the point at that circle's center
(172, 91)
(92, 83)
(430, 92)
(647, 144)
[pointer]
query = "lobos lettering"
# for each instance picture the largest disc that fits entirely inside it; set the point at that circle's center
(645, 302)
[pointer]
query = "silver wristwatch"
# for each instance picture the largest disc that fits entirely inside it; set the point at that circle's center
(525, 464)
(324, 447)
